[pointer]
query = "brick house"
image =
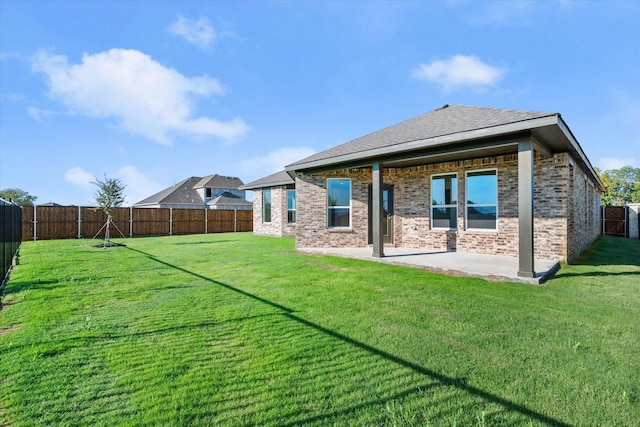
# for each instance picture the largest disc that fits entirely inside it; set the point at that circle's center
(274, 205)
(459, 178)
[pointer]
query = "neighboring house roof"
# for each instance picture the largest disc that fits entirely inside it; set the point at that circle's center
(452, 132)
(278, 178)
(227, 199)
(219, 181)
(182, 193)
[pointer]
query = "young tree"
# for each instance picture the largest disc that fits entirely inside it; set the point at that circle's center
(19, 197)
(108, 197)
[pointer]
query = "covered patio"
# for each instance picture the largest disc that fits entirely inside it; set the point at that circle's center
(513, 187)
(488, 267)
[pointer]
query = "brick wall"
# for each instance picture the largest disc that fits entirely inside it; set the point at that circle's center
(584, 215)
(566, 220)
(278, 225)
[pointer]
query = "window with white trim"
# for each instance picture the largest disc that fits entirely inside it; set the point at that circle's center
(291, 206)
(338, 202)
(444, 201)
(482, 200)
(266, 205)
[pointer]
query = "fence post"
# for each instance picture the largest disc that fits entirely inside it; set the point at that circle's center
(235, 220)
(79, 222)
(35, 221)
(206, 223)
(170, 221)
(130, 221)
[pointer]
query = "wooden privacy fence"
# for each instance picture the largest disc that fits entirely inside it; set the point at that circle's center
(615, 220)
(68, 222)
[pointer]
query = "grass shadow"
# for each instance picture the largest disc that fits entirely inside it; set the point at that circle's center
(441, 379)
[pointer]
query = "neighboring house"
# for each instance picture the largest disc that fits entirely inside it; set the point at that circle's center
(211, 192)
(459, 178)
(274, 204)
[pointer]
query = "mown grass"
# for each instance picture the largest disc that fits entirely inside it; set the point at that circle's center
(235, 329)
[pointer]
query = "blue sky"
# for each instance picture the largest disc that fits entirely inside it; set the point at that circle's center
(152, 93)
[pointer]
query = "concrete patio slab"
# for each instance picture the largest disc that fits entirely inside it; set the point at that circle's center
(489, 267)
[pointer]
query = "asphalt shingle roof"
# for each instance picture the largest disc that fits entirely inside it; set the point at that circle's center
(278, 178)
(447, 120)
(219, 181)
(180, 193)
(227, 199)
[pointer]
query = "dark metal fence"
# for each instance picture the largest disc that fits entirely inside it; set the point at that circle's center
(10, 235)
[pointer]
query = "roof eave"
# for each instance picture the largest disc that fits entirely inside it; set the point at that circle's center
(265, 185)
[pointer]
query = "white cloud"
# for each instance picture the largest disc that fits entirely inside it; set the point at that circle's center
(609, 163)
(138, 185)
(458, 72)
(143, 96)
(79, 177)
(508, 13)
(199, 33)
(39, 114)
(273, 162)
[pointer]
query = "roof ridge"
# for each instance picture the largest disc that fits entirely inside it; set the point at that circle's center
(481, 107)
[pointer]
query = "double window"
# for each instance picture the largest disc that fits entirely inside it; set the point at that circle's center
(444, 201)
(266, 205)
(338, 203)
(481, 204)
(482, 200)
(291, 206)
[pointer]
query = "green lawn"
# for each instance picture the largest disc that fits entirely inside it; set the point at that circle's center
(234, 329)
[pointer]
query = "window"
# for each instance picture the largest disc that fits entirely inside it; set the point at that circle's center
(266, 205)
(207, 192)
(338, 202)
(482, 200)
(444, 201)
(291, 206)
